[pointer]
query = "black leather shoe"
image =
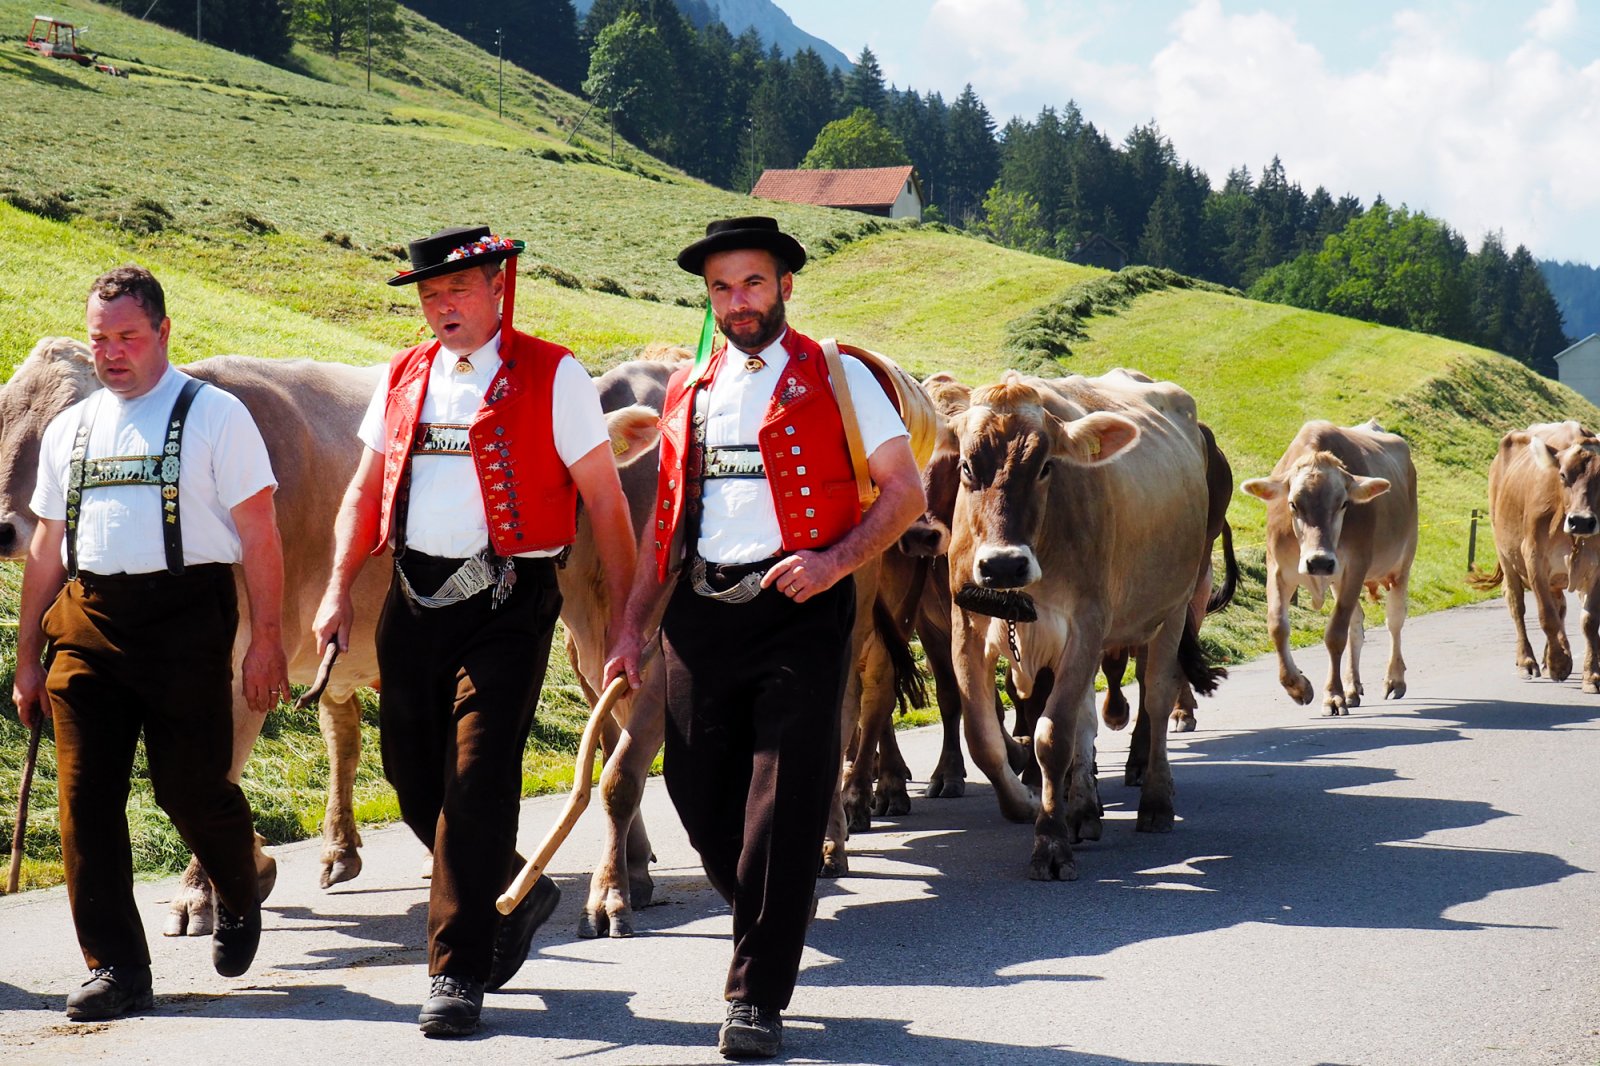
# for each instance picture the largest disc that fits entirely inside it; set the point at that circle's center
(453, 1006)
(751, 1032)
(110, 991)
(515, 935)
(234, 940)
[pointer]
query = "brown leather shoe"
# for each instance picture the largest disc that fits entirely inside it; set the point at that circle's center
(751, 1032)
(515, 935)
(234, 940)
(111, 991)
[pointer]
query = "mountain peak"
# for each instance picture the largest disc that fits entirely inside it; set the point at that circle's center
(764, 16)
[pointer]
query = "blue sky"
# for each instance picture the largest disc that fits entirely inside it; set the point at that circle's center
(1484, 114)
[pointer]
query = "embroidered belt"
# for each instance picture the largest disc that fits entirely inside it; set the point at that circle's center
(479, 572)
(743, 590)
(742, 460)
(161, 470)
(441, 438)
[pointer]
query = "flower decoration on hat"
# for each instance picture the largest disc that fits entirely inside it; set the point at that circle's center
(482, 246)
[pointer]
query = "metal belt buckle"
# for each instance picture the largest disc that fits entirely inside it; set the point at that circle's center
(744, 590)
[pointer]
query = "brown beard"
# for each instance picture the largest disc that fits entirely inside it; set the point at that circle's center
(771, 326)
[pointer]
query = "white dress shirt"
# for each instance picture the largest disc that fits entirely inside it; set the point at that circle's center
(739, 521)
(445, 516)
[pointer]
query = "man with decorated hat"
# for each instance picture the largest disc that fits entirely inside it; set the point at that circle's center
(479, 445)
(759, 525)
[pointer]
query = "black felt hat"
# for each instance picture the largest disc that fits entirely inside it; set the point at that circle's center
(455, 249)
(753, 231)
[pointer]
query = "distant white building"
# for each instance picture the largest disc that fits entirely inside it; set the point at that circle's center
(890, 192)
(1579, 368)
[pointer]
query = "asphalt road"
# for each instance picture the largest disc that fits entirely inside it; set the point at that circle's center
(1412, 884)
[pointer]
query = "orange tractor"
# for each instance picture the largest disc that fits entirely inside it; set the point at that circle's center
(59, 40)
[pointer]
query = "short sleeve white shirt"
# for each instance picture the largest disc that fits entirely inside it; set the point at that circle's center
(739, 521)
(224, 462)
(445, 515)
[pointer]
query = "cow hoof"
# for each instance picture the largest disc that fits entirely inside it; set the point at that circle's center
(1133, 776)
(1084, 827)
(1559, 666)
(266, 875)
(1591, 685)
(1115, 716)
(834, 862)
(1528, 669)
(641, 891)
(1396, 690)
(344, 866)
(1183, 722)
(1353, 700)
(1155, 816)
(1019, 754)
(1299, 689)
(857, 814)
(941, 786)
(1051, 861)
(191, 910)
(891, 800)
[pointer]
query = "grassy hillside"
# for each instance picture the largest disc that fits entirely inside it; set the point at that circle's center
(274, 203)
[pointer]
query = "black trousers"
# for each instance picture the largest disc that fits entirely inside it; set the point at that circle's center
(752, 759)
(150, 653)
(460, 686)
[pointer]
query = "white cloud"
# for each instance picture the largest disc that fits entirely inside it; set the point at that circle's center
(1554, 21)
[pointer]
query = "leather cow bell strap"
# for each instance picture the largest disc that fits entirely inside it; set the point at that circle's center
(866, 491)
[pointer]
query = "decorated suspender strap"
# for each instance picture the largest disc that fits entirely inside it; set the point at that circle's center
(171, 529)
(161, 471)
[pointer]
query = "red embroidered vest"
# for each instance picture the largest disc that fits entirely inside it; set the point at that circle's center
(530, 502)
(802, 446)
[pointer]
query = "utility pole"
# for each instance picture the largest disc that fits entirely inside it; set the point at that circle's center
(369, 46)
(500, 44)
(197, 21)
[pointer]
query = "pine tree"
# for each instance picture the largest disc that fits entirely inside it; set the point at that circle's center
(974, 158)
(863, 86)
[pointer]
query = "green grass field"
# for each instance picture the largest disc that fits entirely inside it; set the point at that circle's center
(274, 203)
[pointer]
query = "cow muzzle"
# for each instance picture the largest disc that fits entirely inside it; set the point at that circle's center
(1581, 524)
(1009, 567)
(1319, 564)
(13, 539)
(925, 538)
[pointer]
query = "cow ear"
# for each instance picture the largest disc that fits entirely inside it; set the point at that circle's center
(633, 430)
(1367, 489)
(1264, 488)
(1543, 454)
(1094, 438)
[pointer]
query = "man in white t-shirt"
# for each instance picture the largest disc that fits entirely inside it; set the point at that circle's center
(479, 445)
(759, 503)
(148, 492)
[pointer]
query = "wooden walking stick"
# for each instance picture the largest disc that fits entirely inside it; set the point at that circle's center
(15, 877)
(577, 802)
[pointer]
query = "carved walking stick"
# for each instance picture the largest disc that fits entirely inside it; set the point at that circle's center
(15, 877)
(578, 801)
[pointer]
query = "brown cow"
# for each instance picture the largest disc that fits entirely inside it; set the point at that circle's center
(1544, 495)
(1070, 488)
(1341, 513)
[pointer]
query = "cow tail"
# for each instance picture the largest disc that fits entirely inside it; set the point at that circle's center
(1192, 661)
(1223, 595)
(1484, 582)
(909, 688)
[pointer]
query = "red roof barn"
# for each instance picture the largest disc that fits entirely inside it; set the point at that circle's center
(892, 192)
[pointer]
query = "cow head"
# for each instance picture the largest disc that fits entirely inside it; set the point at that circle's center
(1318, 492)
(56, 374)
(1578, 468)
(1010, 447)
(929, 535)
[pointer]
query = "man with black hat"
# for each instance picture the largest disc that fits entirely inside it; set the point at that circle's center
(149, 490)
(479, 444)
(759, 527)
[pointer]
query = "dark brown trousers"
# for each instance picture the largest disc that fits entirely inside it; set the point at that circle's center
(752, 759)
(460, 686)
(151, 652)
